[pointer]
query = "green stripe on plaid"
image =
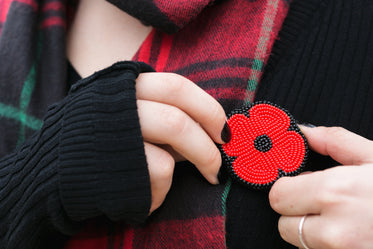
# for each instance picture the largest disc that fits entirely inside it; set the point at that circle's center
(14, 113)
(24, 102)
(27, 90)
(257, 65)
(224, 196)
(256, 70)
(261, 49)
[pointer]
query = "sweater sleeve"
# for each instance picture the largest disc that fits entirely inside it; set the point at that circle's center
(87, 160)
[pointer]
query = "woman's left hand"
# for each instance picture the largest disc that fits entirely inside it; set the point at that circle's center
(338, 202)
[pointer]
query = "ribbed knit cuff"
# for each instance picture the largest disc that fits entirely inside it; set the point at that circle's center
(103, 169)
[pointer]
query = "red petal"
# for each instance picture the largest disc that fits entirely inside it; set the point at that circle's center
(254, 168)
(242, 139)
(288, 151)
(268, 119)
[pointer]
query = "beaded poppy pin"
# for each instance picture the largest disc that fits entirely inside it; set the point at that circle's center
(266, 144)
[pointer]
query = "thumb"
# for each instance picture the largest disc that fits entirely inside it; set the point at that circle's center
(342, 145)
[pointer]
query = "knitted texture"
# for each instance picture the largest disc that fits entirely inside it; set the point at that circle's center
(101, 135)
(222, 47)
(51, 182)
(320, 70)
(32, 43)
(266, 144)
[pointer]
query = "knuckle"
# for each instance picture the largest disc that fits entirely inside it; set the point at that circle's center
(213, 157)
(283, 232)
(328, 236)
(160, 167)
(336, 131)
(175, 120)
(334, 237)
(335, 134)
(175, 83)
(216, 113)
(348, 242)
(165, 167)
(329, 193)
(333, 190)
(283, 229)
(274, 197)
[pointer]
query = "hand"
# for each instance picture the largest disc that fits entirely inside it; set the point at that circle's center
(178, 121)
(338, 202)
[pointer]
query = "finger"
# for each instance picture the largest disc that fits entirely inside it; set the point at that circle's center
(175, 90)
(296, 195)
(161, 167)
(317, 232)
(342, 145)
(164, 124)
(312, 230)
(176, 155)
(319, 192)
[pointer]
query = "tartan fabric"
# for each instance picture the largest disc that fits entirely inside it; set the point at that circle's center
(223, 48)
(168, 16)
(32, 72)
(98, 235)
(220, 45)
(91, 138)
(320, 70)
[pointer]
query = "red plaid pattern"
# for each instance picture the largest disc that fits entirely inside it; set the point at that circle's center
(220, 47)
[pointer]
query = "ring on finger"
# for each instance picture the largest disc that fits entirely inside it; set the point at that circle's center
(300, 232)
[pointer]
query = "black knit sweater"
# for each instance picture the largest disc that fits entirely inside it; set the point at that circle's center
(320, 70)
(87, 160)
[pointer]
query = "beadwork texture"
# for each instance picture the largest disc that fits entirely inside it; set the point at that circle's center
(266, 144)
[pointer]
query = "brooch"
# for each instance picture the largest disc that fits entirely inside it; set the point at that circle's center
(266, 144)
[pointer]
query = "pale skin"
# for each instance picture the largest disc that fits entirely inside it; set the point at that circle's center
(179, 121)
(338, 200)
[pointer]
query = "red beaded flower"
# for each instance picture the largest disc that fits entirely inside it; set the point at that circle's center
(266, 144)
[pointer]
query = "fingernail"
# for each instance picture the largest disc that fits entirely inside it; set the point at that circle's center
(308, 125)
(226, 134)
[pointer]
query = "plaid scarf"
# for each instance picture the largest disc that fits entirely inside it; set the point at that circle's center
(33, 66)
(222, 46)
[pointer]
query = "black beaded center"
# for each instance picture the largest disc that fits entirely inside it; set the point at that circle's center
(263, 143)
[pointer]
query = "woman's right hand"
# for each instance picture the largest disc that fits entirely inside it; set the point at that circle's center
(179, 121)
